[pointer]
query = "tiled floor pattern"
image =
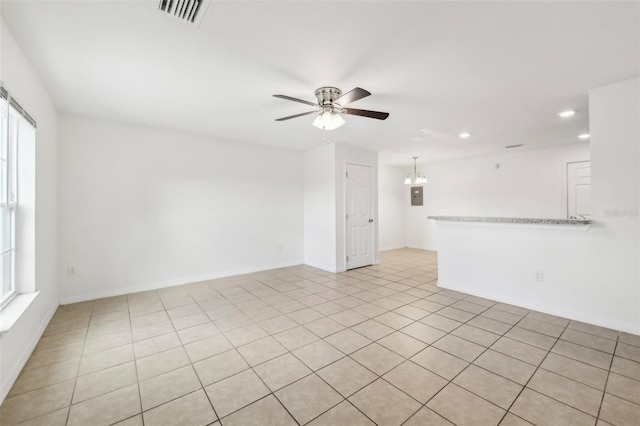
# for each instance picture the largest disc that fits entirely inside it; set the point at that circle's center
(297, 345)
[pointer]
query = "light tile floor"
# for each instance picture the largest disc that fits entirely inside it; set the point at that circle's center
(381, 344)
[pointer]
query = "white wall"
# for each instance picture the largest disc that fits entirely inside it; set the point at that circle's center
(526, 184)
(420, 231)
(144, 208)
(592, 276)
(320, 208)
(22, 82)
(614, 123)
(392, 207)
(324, 199)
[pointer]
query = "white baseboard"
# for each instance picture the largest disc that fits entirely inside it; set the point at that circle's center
(64, 300)
(327, 268)
(24, 357)
(393, 247)
(421, 247)
(589, 319)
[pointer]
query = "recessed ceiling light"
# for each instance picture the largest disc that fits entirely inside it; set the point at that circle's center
(567, 113)
(464, 135)
(417, 139)
(584, 136)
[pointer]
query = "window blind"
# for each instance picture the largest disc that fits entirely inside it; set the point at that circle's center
(4, 94)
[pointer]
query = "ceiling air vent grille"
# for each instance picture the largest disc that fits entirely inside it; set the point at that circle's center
(186, 10)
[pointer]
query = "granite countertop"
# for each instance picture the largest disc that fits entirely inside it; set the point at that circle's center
(538, 221)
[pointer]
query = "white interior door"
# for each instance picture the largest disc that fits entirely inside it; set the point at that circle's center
(359, 216)
(579, 190)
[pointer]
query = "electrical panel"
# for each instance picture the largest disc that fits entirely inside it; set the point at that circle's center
(416, 195)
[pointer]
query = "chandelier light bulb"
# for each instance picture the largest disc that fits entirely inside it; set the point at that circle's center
(417, 178)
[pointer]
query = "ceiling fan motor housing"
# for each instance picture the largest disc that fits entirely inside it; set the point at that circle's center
(327, 95)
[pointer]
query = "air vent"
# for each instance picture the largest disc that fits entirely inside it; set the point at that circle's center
(190, 11)
(514, 146)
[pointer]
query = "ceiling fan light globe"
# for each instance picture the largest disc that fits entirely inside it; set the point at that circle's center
(328, 120)
(336, 120)
(318, 122)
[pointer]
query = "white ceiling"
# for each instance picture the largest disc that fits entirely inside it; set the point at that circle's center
(500, 70)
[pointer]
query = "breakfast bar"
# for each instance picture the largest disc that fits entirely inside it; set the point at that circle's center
(536, 263)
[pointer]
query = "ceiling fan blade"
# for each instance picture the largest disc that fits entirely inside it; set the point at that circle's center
(289, 98)
(296, 116)
(365, 113)
(352, 96)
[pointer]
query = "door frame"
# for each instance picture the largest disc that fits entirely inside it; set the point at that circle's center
(565, 186)
(344, 212)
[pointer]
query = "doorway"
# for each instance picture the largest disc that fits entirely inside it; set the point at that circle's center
(359, 217)
(579, 190)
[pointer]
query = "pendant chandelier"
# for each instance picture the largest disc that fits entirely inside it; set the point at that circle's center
(417, 178)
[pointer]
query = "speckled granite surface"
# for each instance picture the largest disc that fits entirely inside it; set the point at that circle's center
(512, 220)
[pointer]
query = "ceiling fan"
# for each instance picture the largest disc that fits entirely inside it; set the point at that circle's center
(330, 106)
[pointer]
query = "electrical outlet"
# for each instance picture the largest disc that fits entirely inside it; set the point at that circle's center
(71, 271)
(538, 276)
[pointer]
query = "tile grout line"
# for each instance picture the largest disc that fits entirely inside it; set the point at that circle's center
(336, 285)
(84, 342)
(568, 378)
(190, 365)
(303, 326)
(288, 351)
(533, 374)
(135, 364)
(271, 392)
(450, 381)
(428, 345)
(314, 372)
(606, 383)
(503, 335)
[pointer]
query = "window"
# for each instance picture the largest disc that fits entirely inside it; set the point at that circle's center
(7, 201)
(15, 125)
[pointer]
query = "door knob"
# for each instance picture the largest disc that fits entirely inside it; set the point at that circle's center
(370, 220)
